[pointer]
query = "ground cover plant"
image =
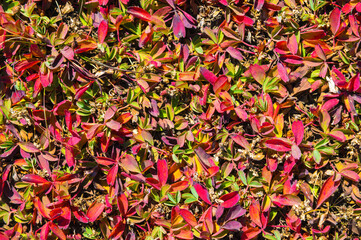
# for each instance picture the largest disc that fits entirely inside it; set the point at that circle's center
(180, 119)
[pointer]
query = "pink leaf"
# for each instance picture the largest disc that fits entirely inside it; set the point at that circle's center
(140, 13)
(335, 19)
(282, 71)
(240, 140)
(298, 131)
(68, 52)
(162, 170)
(178, 26)
(208, 220)
(296, 152)
(102, 31)
(338, 135)
(278, 144)
(112, 174)
(130, 164)
(28, 147)
(258, 73)
(203, 193)
(319, 52)
(230, 199)
(259, 4)
(328, 188)
(114, 125)
(350, 175)
(235, 53)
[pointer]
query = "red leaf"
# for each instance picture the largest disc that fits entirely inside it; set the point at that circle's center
(102, 31)
(139, 13)
(293, 44)
(105, 161)
(208, 75)
(328, 188)
(278, 144)
(335, 19)
(208, 220)
(112, 175)
(95, 210)
(298, 131)
(57, 231)
(230, 199)
(33, 178)
(110, 113)
(179, 186)
(258, 73)
(240, 140)
(162, 170)
(255, 213)
(319, 52)
(122, 204)
(44, 231)
(117, 231)
(282, 71)
(203, 193)
(188, 217)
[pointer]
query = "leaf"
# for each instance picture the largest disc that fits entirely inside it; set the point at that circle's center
(122, 204)
(335, 18)
(282, 72)
(114, 125)
(259, 4)
(293, 44)
(230, 199)
(33, 178)
(102, 31)
(258, 73)
(208, 220)
(328, 188)
(95, 210)
(28, 147)
(338, 135)
(235, 212)
(232, 226)
(68, 52)
(278, 144)
(208, 75)
(139, 13)
(240, 140)
(57, 231)
(296, 152)
(202, 192)
(130, 164)
(162, 170)
(178, 26)
(349, 174)
(298, 131)
(188, 217)
(255, 213)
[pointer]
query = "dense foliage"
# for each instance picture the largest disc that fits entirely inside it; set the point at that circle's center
(180, 119)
